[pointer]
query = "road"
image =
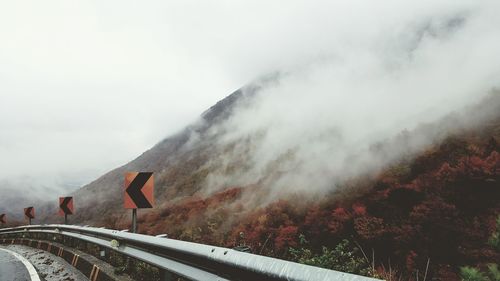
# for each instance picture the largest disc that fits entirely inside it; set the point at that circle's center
(50, 267)
(11, 268)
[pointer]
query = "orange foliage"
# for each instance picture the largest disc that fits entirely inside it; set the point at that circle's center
(440, 210)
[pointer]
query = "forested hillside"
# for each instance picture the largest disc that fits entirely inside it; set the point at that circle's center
(438, 206)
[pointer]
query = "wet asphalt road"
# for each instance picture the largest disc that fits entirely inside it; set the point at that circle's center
(12, 269)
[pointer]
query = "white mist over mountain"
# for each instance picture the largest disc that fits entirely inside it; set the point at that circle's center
(85, 87)
(317, 122)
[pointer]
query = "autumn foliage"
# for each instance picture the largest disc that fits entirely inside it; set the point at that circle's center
(441, 209)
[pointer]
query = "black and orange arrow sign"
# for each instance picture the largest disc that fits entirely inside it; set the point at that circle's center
(66, 206)
(29, 212)
(2, 218)
(138, 190)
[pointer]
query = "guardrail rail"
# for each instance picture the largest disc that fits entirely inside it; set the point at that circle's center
(186, 259)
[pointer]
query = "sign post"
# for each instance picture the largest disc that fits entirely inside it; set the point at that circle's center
(3, 220)
(66, 207)
(134, 220)
(139, 187)
(29, 213)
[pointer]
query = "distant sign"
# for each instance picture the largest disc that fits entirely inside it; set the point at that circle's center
(3, 219)
(66, 206)
(139, 188)
(29, 212)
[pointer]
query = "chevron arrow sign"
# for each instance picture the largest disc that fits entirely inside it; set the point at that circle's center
(138, 190)
(66, 206)
(29, 212)
(3, 219)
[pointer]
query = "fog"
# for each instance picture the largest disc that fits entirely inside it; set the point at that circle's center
(316, 124)
(88, 86)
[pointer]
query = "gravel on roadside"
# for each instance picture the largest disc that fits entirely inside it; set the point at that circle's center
(49, 267)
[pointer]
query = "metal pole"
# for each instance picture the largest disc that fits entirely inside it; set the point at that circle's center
(29, 221)
(134, 220)
(65, 218)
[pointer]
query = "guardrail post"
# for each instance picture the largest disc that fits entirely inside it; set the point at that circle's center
(166, 275)
(102, 254)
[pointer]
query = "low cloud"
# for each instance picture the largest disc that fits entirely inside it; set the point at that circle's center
(86, 87)
(317, 123)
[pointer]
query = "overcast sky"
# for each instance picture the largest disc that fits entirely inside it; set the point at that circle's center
(86, 86)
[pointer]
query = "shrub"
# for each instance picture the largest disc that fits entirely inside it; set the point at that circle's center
(494, 240)
(468, 273)
(494, 272)
(343, 257)
(473, 274)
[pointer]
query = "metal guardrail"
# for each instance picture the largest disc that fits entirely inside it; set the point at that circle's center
(190, 260)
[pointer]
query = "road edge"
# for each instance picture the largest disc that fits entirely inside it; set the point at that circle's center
(31, 269)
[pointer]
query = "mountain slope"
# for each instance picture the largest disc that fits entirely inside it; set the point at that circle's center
(103, 197)
(439, 205)
(186, 163)
(418, 188)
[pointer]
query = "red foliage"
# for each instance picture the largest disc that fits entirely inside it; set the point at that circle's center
(316, 221)
(339, 217)
(404, 218)
(369, 227)
(359, 209)
(411, 261)
(225, 196)
(475, 167)
(341, 214)
(433, 209)
(471, 168)
(286, 237)
(445, 172)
